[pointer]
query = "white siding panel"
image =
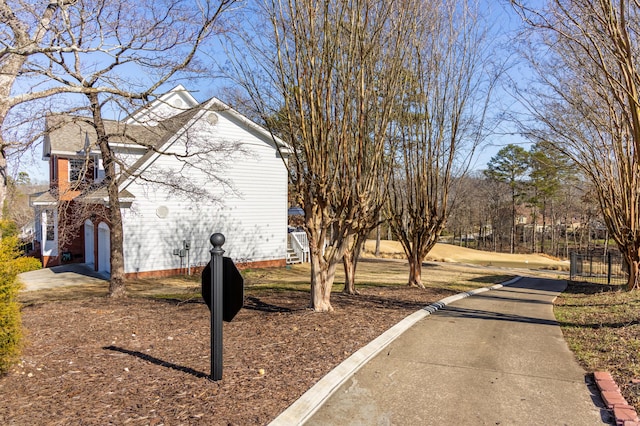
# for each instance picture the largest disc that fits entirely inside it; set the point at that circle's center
(253, 217)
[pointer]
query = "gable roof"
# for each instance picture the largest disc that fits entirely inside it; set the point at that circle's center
(186, 119)
(219, 106)
(164, 106)
(71, 135)
(173, 126)
(67, 134)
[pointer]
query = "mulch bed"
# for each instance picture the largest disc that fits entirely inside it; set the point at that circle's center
(144, 361)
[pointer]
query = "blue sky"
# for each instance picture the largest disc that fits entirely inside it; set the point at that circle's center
(504, 22)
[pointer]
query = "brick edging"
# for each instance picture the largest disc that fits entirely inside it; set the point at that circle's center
(624, 413)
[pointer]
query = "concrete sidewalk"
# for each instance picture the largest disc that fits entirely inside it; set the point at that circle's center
(61, 276)
(497, 358)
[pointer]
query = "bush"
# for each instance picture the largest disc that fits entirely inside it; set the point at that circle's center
(10, 324)
(26, 264)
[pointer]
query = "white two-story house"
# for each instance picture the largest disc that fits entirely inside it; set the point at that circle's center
(185, 170)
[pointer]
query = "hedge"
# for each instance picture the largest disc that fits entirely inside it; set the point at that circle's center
(11, 264)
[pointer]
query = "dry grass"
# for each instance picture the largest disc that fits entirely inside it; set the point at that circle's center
(379, 273)
(144, 360)
(135, 288)
(371, 273)
(601, 324)
(456, 254)
(447, 266)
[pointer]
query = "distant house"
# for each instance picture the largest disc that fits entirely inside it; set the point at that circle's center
(166, 225)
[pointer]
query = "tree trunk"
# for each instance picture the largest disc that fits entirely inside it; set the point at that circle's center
(10, 66)
(3, 179)
(632, 257)
(544, 226)
(634, 276)
(321, 283)
(116, 283)
(566, 239)
(378, 232)
(324, 261)
(493, 237)
(415, 271)
(534, 240)
(8, 72)
(350, 262)
(512, 243)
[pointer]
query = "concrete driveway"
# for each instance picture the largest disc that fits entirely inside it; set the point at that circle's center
(497, 358)
(59, 276)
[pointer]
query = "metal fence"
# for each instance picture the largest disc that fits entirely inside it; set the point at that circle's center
(609, 268)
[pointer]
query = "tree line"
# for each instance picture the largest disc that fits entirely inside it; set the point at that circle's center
(527, 201)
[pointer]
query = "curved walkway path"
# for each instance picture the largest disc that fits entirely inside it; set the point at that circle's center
(497, 358)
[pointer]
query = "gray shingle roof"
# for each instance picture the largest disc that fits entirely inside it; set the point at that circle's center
(42, 198)
(100, 195)
(73, 135)
(69, 134)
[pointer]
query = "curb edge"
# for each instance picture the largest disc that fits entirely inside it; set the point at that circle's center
(304, 407)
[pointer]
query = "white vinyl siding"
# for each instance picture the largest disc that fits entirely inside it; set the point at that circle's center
(252, 216)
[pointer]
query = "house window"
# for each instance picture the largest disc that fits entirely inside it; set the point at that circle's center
(76, 170)
(54, 168)
(50, 224)
(98, 170)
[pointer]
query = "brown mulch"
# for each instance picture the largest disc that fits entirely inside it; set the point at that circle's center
(143, 361)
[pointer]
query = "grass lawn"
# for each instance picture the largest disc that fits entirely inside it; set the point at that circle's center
(371, 273)
(377, 273)
(601, 324)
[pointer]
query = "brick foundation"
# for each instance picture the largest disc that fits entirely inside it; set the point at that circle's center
(276, 263)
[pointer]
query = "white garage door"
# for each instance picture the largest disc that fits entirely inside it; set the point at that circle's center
(89, 243)
(104, 248)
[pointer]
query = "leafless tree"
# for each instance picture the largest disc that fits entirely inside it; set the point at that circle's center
(468, 215)
(18, 199)
(439, 124)
(588, 102)
(330, 76)
(113, 54)
(23, 26)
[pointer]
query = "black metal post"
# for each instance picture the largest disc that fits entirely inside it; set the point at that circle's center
(217, 240)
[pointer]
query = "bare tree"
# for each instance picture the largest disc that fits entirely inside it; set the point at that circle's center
(589, 103)
(467, 217)
(330, 76)
(116, 54)
(18, 198)
(439, 125)
(23, 26)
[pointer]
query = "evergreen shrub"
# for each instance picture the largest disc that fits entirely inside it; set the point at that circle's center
(10, 322)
